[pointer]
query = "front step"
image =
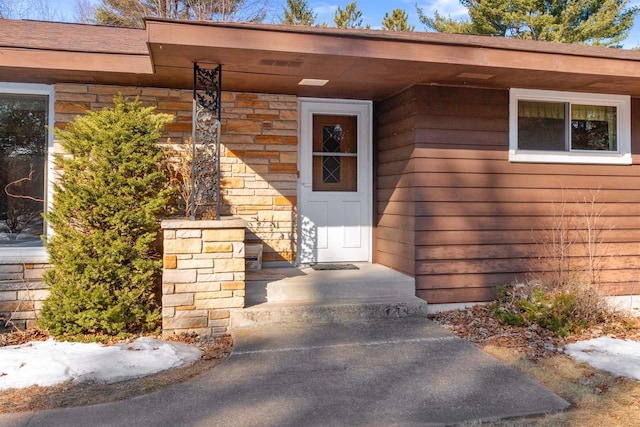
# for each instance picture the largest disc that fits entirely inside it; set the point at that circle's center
(305, 284)
(336, 311)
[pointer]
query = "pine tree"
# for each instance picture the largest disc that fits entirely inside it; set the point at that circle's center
(298, 12)
(131, 13)
(397, 21)
(105, 218)
(593, 22)
(349, 17)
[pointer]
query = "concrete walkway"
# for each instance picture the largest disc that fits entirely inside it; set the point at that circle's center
(383, 372)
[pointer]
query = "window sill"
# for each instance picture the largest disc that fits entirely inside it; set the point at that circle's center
(569, 158)
(23, 256)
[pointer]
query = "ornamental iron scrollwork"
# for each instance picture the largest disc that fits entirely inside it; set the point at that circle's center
(206, 132)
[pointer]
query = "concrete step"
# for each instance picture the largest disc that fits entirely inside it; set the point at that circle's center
(329, 311)
(286, 285)
(261, 292)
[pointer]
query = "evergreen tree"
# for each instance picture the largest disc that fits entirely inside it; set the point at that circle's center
(594, 22)
(105, 218)
(298, 12)
(128, 13)
(397, 21)
(349, 17)
(131, 13)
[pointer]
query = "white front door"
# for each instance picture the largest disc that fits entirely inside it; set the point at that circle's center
(335, 181)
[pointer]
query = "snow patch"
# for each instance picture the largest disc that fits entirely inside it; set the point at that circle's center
(618, 357)
(50, 362)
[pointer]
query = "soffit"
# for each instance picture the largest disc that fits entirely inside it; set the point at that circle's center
(273, 59)
(374, 64)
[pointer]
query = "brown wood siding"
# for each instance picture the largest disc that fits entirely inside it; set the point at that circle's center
(394, 235)
(479, 218)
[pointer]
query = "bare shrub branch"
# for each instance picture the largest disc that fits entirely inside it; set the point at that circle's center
(177, 167)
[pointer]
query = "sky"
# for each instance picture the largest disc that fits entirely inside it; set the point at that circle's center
(373, 12)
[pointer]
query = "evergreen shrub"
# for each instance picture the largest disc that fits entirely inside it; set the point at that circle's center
(109, 195)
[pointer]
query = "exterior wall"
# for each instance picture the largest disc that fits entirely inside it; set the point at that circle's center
(394, 232)
(258, 165)
(21, 294)
(480, 218)
(72, 100)
(259, 170)
(203, 275)
(259, 156)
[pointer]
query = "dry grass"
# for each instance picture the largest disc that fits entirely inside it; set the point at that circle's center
(77, 394)
(598, 398)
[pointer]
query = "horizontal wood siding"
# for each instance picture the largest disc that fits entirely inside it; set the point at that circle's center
(480, 220)
(395, 210)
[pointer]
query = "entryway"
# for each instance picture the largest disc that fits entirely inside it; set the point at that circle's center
(290, 284)
(335, 206)
(373, 291)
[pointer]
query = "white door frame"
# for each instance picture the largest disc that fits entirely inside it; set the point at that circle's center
(307, 107)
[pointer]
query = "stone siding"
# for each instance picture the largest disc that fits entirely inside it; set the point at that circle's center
(259, 169)
(259, 156)
(72, 100)
(203, 276)
(21, 294)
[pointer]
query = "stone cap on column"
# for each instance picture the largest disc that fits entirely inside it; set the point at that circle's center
(225, 222)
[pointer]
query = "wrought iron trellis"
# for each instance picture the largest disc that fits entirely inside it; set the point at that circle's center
(205, 139)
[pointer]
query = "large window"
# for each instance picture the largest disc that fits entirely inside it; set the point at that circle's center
(24, 142)
(569, 127)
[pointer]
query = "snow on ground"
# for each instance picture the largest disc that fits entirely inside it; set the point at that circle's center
(47, 363)
(50, 362)
(618, 357)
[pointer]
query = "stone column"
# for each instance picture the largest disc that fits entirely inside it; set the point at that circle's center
(203, 275)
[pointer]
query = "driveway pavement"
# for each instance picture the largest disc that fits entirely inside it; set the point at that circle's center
(403, 372)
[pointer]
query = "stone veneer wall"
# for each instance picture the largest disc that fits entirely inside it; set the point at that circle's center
(259, 158)
(203, 275)
(259, 166)
(72, 100)
(21, 294)
(259, 169)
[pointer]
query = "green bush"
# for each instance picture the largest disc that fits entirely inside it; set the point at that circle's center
(555, 311)
(105, 218)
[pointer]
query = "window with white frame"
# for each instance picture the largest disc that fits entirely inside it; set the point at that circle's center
(569, 127)
(25, 116)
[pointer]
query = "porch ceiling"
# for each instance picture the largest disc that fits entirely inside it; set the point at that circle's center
(375, 65)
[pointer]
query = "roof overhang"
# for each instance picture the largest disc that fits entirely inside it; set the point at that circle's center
(376, 64)
(364, 64)
(50, 52)
(90, 62)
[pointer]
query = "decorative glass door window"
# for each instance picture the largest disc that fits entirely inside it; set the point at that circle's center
(23, 143)
(335, 153)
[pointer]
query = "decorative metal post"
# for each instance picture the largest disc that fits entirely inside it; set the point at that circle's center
(205, 139)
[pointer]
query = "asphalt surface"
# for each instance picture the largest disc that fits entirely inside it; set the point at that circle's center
(401, 372)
